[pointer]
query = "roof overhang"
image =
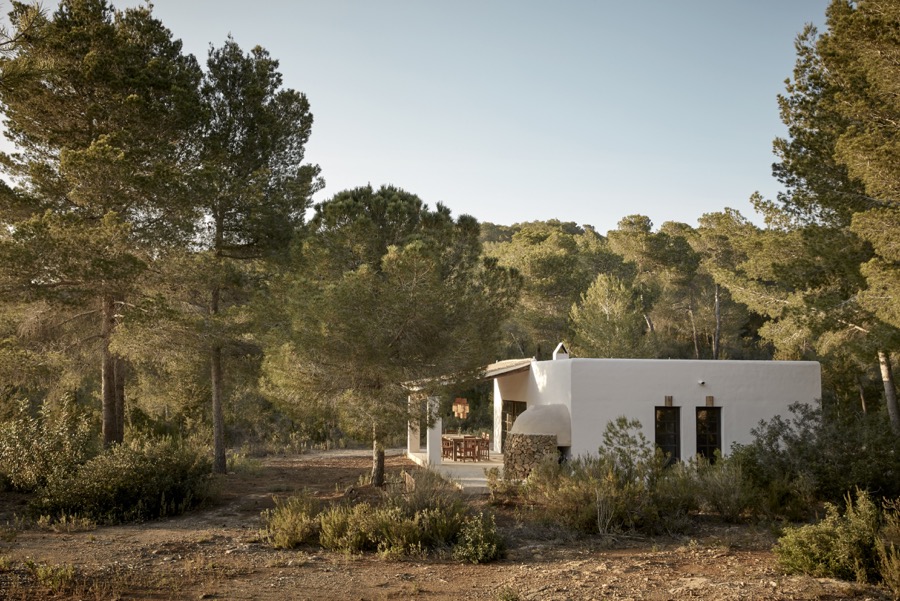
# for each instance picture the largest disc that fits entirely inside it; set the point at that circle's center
(504, 368)
(489, 372)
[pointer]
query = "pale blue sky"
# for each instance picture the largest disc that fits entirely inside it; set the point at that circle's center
(519, 110)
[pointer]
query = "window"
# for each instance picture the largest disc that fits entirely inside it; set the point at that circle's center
(668, 432)
(709, 432)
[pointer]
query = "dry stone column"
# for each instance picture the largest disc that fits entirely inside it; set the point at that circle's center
(524, 451)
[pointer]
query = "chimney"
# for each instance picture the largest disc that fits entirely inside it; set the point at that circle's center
(561, 352)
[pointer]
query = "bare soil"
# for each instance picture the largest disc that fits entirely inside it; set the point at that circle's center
(216, 553)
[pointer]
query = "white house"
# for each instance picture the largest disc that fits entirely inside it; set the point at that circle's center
(686, 407)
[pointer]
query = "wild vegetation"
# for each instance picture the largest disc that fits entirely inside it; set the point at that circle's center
(163, 297)
(430, 518)
(630, 488)
(859, 543)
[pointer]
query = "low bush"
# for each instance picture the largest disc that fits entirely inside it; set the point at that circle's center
(840, 546)
(347, 528)
(723, 489)
(675, 497)
(889, 547)
(502, 491)
(293, 522)
(432, 517)
(65, 523)
(439, 527)
(55, 578)
(588, 495)
(427, 518)
(397, 534)
(388, 529)
(431, 491)
(37, 448)
(626, 486)
(135, 482)
(567, 494)
(479, 541)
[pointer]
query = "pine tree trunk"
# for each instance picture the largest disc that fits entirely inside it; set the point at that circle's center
(890, 391)
(694, 332)
(377, 460)
(219, 463)
(108, 374)
(218, 416)
(120, 369)
(862, 394)
(649, 322)
(718, 333)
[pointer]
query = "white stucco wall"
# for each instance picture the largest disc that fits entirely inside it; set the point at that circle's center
(512, 387)
(599, 390)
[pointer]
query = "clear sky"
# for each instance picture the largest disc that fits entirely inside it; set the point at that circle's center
(516, 110)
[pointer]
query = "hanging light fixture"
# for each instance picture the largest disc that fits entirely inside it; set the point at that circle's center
(461, 408)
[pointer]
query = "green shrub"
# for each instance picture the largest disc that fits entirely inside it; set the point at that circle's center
(37, 449)
(628, 486)
(565, 493)
(434, 508)
(65, 523)
(401, 526)
(844, 547)
(440, 526)
(890, 569)
(397, 534)
(428, 518)
(723, 489)
(479, 541)
(608, 492)
(889, 547)
(502, 491)
(816, 454)
(675, 496)
(141, 481)
(293, 522)
(587, 495)
(431, 491)
(56, 578)
(347, 528)
(507, 594)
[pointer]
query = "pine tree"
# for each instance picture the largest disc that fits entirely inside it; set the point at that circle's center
(99, 115)
(389, 299)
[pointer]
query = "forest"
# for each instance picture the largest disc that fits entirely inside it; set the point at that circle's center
(165, 274)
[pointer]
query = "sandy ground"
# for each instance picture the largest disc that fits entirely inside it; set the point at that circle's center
(216, 553)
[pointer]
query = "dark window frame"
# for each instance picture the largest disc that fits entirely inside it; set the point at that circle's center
(667, 432)
(709, 432)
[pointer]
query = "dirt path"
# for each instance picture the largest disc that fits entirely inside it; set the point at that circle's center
(216, 553)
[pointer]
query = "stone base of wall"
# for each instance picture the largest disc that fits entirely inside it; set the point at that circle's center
(524, 451)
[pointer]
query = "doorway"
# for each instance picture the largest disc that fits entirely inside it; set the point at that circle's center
(511, 410)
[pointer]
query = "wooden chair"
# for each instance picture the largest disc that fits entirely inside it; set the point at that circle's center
(446, 448)
(484, 448)
(470, 449)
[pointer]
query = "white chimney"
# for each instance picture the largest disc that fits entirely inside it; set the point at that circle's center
(561, 352)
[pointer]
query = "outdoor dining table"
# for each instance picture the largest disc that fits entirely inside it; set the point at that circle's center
(458, 447)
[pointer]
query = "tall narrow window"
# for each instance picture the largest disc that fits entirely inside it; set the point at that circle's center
(668, 432)
(709, 432)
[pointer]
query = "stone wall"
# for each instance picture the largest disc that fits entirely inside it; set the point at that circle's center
(524, 451)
